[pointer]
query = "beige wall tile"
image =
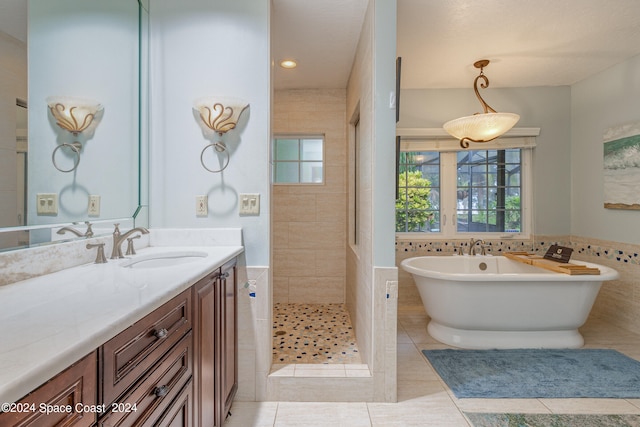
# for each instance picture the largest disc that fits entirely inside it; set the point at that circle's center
(330, 263)
(294, 207)
(332, 208)
(301, 237)
(317, 235)
(294, 262)
(321, 290)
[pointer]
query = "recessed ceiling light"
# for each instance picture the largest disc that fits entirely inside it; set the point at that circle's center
(288, 63)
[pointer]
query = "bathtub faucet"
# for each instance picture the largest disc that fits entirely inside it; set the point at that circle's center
(472, 246)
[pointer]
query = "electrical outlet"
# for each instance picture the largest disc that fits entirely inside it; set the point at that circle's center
(249, 204)
(94, 205)
(47, 204)
(202, 206)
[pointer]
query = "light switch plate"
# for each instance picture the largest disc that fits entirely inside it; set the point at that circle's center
(249, 204)
(202, 206)
(94, 205)
(47, 204)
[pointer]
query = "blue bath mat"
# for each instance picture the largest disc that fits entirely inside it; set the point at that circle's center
(537, 373)
(559, 420)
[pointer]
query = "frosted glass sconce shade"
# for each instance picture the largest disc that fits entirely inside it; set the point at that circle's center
(220, 114)
(74, 115)
(481, 127)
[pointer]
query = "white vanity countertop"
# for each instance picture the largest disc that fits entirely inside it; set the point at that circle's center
(52, 321)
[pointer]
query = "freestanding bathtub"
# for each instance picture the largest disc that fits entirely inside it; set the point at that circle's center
(485, 302)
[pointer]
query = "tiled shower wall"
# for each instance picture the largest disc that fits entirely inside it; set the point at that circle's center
(618, 301)
(310, 220)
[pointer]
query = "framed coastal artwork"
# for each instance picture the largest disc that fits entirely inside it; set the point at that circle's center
(622, 167)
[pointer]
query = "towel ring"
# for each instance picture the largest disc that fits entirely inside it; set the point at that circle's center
(75, 147)
(220, 148)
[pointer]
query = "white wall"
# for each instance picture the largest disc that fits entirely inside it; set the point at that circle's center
(87, 49)
(608, 99)
(548, 108)
(205, 48)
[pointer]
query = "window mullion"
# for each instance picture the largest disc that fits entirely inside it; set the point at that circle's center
(448, 183)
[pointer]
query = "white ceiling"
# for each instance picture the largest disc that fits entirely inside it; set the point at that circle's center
(529, 42)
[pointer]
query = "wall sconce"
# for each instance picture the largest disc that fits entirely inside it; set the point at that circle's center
(481, 127)
(219, 114)
(74, 115)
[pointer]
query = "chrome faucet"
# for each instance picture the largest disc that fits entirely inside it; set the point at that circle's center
(88, 233)
(472, 246)
(118, 238)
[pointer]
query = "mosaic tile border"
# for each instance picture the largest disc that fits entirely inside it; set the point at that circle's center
(612, 251)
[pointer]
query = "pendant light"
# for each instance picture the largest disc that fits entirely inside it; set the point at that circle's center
(481, 127)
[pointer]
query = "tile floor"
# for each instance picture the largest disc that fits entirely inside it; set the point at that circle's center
(313, 333)
(424, 400)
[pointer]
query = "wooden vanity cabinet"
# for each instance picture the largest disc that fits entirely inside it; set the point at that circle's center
(68, 393)
(129, 355)
(215, 335)
(148, 365)
(148, 401)
(175, 367)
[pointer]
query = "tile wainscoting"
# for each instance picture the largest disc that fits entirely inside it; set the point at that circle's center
(618, 301)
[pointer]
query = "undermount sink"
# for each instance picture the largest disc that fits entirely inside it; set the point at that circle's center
(165, 259)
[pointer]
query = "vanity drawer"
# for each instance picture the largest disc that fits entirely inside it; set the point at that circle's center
(126, 357)
(65, 396)
(152, 395)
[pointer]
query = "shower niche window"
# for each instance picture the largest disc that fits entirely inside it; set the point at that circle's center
(298, 160)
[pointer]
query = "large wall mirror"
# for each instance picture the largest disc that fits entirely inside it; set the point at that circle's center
(52, 174)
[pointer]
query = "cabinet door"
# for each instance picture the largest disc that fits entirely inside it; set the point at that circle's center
(69, 392)
(228, 340)
(205, 351)
(180, 413)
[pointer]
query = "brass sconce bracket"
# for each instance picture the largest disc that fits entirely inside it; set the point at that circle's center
(481, 64)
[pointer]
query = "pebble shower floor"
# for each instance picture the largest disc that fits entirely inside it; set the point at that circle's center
(313, 333)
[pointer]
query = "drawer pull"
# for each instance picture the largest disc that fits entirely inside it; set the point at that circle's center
(161, 391)
(161, 333)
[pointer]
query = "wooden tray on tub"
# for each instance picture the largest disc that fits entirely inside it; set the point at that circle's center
(558, 267)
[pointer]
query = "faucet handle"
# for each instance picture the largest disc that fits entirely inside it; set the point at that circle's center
(483, 248)
(130, 249)
(100, 258)
(89, 232)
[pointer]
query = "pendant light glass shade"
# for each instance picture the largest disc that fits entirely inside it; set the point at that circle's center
(481, 127)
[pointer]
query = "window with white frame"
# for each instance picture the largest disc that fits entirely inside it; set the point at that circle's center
(452, 192)
(298, 159)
